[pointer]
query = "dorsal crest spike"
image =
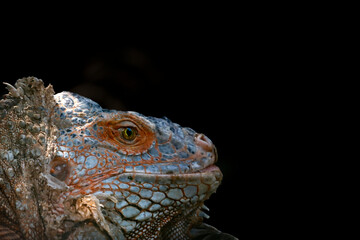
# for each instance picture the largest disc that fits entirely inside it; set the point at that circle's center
(12, 90)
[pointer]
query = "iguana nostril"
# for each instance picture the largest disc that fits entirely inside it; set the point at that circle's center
(204, 142)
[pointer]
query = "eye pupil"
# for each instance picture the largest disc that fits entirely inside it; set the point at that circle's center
(128, 134)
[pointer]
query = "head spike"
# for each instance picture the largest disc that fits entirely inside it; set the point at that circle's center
(12, 90)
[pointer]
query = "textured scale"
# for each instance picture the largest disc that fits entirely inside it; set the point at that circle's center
(147, 185)
(73, 170)
(26, 149)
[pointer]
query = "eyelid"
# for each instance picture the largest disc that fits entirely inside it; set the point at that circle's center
(121, 126)
(125, 124)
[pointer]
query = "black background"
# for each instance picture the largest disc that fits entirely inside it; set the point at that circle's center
(195, 80)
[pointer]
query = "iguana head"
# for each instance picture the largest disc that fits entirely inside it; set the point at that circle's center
(149, 173)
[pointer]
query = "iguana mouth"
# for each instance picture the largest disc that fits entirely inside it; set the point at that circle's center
(208, 170)
(180, 168)
(211, 168)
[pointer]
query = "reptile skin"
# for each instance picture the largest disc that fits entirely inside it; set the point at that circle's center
(153, 182)
(70, 169)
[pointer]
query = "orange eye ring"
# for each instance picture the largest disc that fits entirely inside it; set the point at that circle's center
(129, 133)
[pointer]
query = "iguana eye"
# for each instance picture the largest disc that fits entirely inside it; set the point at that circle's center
(128, 133)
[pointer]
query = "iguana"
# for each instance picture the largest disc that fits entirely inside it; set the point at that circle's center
(70, 169)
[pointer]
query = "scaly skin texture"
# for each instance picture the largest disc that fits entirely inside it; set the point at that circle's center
(150, 174)
(72, 170)
(27, 146)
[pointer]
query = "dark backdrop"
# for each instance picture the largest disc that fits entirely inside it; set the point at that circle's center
(194, 82)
